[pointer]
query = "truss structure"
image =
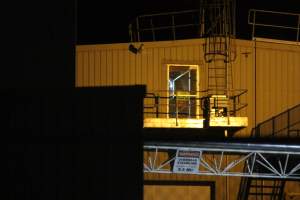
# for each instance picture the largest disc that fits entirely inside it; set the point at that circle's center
(226, 159)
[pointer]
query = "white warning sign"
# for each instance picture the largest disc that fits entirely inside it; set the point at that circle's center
(187, 162)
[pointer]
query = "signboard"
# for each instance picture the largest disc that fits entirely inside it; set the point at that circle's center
(187, 162)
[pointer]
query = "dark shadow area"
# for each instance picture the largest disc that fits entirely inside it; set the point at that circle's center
(38, 42)
(83, 143)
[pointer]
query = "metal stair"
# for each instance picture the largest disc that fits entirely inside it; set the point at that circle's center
(261, 189)
(284, 124)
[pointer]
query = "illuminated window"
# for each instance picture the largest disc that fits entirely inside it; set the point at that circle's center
(183, 86)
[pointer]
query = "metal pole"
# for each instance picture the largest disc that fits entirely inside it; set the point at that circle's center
(253, 27)
(173, 27)
(258, 131)
(234, 17)
(255, 84)
(138, 29)
(273, 126)
(298, 27)
(202, 23)
(153, 33)
(157, 105)
(288, 123)
(130, 32)
(234, 106)
(176, 105)
(189, 93)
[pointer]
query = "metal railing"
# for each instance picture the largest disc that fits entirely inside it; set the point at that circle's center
(168, 24)
(253, 20)
(164, 104)
(285, 124)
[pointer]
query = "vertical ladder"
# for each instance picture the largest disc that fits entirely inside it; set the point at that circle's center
(219, 77)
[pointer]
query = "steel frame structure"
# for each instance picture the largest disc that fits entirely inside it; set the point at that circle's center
(254, 160)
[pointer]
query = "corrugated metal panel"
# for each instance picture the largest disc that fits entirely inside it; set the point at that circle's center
(118, 66)
(275, 69)
(223, 184)
(277, 74)
(176, 192)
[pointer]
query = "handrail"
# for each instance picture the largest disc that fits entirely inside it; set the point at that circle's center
(169, 13)
(288, 125)
(147, 97)
(253, 21)
(137, 28)
(196, 101)
(275, 12)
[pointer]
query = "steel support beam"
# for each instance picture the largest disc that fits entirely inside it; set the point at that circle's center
(242, 159)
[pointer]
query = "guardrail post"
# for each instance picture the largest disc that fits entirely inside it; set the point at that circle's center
(176, 105)
(257, 132)
(273, 126)
(206, 111)
(288, 122)
(138, 29)
(173, 28)
(298, 27)
(234, 106)
(253, 27)
(153, 32)
(157, 105)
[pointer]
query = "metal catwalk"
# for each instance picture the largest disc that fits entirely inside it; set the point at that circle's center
(261, 160)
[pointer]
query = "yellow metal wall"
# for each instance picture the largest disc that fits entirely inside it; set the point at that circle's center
(113, 64)
(224, 186)
(272, 68)
(277, 75)
(176, 192)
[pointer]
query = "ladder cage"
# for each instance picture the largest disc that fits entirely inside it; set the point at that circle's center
(219, 26)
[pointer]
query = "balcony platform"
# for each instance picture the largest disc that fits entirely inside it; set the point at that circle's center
(191, 129)
(219, 122)
(228, 122)
(171, 123)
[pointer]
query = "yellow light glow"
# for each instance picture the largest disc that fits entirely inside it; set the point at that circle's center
(195, 123)
(171, 123)
(228, 122)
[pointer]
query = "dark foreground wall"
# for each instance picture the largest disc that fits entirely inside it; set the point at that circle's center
(73, 144)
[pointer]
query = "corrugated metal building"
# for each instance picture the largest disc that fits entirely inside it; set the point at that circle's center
(267, 69)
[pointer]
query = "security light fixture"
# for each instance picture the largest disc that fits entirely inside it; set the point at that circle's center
(135, 50)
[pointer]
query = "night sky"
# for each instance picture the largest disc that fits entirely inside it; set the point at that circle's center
(40, 36)
(107, 21)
